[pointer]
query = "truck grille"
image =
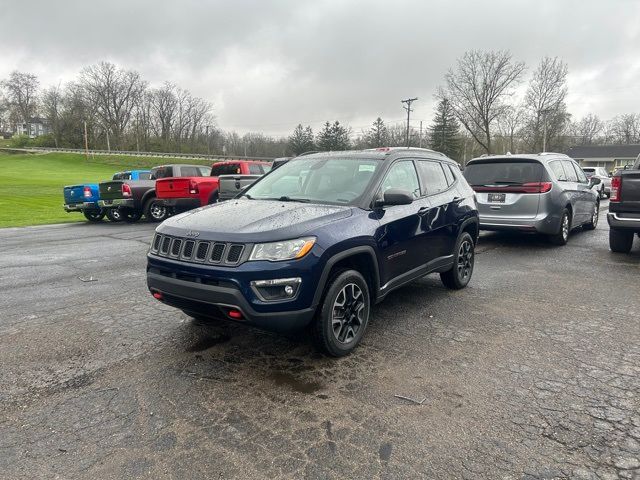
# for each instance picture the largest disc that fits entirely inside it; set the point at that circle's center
(197, 251)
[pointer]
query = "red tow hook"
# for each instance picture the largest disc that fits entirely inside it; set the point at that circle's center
(157, 295)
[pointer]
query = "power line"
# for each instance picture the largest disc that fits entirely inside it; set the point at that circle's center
(408, 108)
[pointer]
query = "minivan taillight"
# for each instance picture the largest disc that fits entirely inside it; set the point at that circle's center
(126, 190)
(529, 187)
(193, 187)
(616, 188)
(87, 192)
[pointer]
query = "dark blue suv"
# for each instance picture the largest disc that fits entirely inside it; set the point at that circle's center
(318, 241)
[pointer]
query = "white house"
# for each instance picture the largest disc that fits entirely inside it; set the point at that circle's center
(34, 127)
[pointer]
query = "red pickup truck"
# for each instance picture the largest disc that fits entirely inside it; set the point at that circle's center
(185, 193)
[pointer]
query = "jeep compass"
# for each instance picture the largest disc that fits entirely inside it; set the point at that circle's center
(320, 240)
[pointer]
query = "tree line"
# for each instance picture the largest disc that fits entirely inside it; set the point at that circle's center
(484, 105)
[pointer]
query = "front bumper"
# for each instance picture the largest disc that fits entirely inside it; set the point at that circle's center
(548, 224)
(117, 203)
(622, 221)
(181, 204)
(215, 290)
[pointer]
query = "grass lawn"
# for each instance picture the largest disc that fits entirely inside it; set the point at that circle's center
(31, 184)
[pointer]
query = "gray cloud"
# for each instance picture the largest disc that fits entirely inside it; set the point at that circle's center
(269, 65)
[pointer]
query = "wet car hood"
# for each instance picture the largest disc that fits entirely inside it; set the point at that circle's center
(253, 220)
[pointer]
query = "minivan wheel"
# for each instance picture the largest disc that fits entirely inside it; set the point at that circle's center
(154, 210)
(463, 261)
(562, 237)
(620, 241)
(593, 223)
(343, 314)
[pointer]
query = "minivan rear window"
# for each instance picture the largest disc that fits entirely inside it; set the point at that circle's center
(515, 172)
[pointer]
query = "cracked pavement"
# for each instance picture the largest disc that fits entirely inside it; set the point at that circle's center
(532, 372)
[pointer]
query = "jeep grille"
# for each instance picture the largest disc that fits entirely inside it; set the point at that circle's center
(198, 251)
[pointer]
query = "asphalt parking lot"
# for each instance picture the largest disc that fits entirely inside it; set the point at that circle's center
(531, 372)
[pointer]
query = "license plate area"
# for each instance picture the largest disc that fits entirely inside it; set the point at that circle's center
(496, 197)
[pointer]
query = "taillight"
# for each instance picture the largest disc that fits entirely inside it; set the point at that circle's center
(616, 188)
(530, 187)
(193, 187)
(87, 192)
(537, 187)
(126, 190)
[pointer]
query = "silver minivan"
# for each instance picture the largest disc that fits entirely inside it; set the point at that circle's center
(546, 193)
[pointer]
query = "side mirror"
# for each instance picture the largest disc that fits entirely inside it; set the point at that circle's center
(395, 196)
(593, 181)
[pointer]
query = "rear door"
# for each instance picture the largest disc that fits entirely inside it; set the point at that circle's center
(436, 220)
(577, 193)
(588, 196)
(507, 188)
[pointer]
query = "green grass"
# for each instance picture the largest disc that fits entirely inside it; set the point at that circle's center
(31, 184)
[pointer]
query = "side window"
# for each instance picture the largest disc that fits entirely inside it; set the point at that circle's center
(582, 178)
(402, 175)
(255, 169)
(144, 176)
(189, 172)
(216, 170)
(204, 171)
(558, 171)
(433, 177)
(570, 172)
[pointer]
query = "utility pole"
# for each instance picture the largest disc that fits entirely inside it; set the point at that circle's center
(208, 143)
(420, 133)
(407, 107)
(108, 144)
(86, 142)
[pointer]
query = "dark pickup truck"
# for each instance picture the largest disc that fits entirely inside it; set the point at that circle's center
(624, 208)
(135, 198)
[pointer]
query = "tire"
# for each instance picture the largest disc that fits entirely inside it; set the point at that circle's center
(214, 198)
(464, 259)
(114, 215)
(94, 215)
(601, 193)
(154, 210)
(130, 216)
(343, 315)
(562, 237)
(620, 241)
(593, 223)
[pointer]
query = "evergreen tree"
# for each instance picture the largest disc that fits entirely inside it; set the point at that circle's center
(378, 135)
(444, 132)
(301, 140)
(333, 137)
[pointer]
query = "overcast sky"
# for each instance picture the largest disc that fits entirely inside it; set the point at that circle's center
(269, 65)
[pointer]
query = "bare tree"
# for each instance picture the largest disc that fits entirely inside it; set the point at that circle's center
(626, 128)
(586, 130)
(51, 104)
(509, 122)
(545, 103)
(476, 90)
(164, 103)
(114, 93)
(22, 94)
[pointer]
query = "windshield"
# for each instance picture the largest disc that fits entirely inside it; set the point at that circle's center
(508, 173)
(318, 180)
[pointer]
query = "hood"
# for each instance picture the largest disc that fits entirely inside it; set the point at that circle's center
(244, 220)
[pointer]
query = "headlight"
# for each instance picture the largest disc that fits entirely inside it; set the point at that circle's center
(285, 250)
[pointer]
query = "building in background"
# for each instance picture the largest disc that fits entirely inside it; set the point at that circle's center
(33, 127)
(610, 157)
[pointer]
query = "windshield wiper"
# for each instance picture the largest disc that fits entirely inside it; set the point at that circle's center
(285, 198)
(246, 195)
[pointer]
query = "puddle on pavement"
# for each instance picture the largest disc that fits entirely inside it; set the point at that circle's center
(286, 379)
(208, 342)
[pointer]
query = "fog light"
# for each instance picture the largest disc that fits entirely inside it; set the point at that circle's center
(276, 289)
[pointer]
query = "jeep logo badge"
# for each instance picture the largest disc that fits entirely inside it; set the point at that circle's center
(191, 233)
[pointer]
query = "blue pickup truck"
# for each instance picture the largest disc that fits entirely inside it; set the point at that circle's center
(84, 197)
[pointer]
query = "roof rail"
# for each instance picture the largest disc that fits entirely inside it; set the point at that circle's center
(308, 153)
(391, 149)
(554, 153)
